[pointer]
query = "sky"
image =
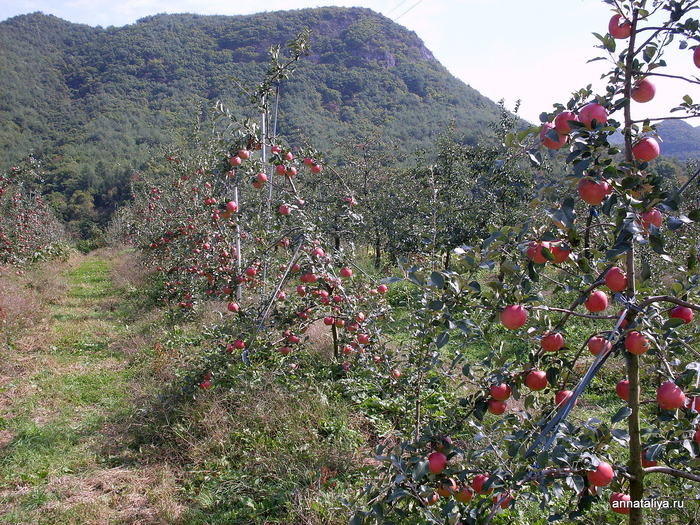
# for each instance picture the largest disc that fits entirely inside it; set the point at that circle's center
(534, 51)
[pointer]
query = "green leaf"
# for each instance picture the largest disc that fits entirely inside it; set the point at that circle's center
(442, 339)
(437, 279)
(621, 414)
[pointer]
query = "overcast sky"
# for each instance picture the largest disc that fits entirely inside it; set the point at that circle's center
(534, 50)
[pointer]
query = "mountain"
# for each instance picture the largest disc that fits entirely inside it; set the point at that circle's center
(95, 103)
(680, 139)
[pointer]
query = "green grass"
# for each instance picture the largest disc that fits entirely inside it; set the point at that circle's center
(78, 386)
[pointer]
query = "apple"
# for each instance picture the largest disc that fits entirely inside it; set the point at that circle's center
(560, 253)
(328, 321)
(239, 344)
(647, 463)
(500, 392)
(301, 290)
(597, 344)
(643, 91)
(597, 301)
(696, 436)
(534, 251)
(497, 407)
(478, 484)
(432, 498)
(548, 142)
(646, 149)
(309, 278)
(513, 316)
(233, 307)
(345, 272)
(593, 112)
(505, 499)
(536, 380)
(232, 206)
(593, 192)
(275, 149)
(244, 154)
(363, 339)
(552, 341)
(382, 288)
(250, 271)
(465, 494)
(261, 178)
(206, 384)
(622, 389)
(682, 312)
(561, 122)
(693, 403)
(395, 373)
(651, 217)
(235, 161)
(447, 487)
(316, 168)
(636, 343)
(618, 30)
(280, 169)
(285, 350)
(696, 56)
(437, 461)
(616, 279)
(619, 502)
(562, 397)
(289, 156)
(669, 396)
(602, 475)
(284, 209)
(308, 161)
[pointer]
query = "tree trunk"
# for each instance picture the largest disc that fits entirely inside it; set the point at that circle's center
(377, 249)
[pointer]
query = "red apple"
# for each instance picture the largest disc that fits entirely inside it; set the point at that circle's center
(696, 56)
(561, 122)
(284, 209)
(534, 251)
(437, 461)
(562, 397)
(547, 141)
(552, 341)
(593, 192)
(328, 321)
(465, 494)
(597, 344)
(591, 112)
(597, 301)
(478, 484)
(636, 343)
(616, 279)
(244, 154)
(669, 396)
(619, 30)
(382, 288)
(619, 502)
(513, 316)
(239, 344)
(316, 168)
(643, 91)
(233, 307)
(504, 498)
(682, 312)
(693, 403)
(395, 373)
(622, 388)
(647, 463)
(602, 475)
(651, 217)
(560, 253)
(285, 350)
(447, 487)
(500, 392)
(345, 272)
(232, 206)
(536, 380)
(235, 161)
(646, 149)
(261, 178)
(696, 436)
(497, 407)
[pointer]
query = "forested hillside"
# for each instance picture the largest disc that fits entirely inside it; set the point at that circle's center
(95, 103)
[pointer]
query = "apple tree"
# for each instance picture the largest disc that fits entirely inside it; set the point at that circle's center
(534, 323)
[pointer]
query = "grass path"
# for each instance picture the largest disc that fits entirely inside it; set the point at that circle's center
(56, 405)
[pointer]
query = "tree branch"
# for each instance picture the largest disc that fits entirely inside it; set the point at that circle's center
(673, 472)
